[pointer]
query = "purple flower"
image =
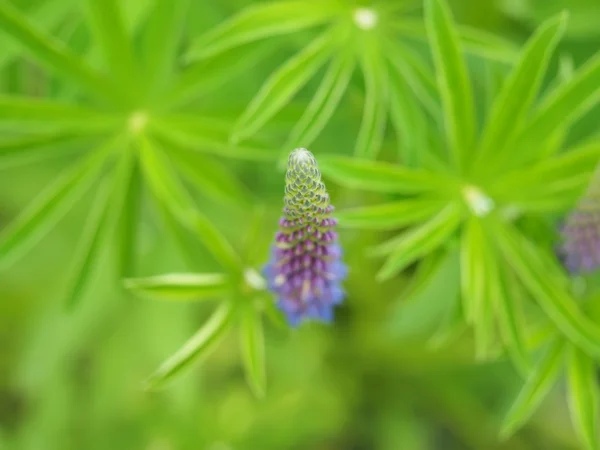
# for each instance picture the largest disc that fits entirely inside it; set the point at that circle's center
(305, 270)
(580, 250)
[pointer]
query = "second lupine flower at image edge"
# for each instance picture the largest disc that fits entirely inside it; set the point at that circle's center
(305, 270)
(580, 249)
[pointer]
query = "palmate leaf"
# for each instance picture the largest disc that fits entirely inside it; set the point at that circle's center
(548, 292)
(325, 101)
(408, 247)
(583, 396)
(168, 190)
(55, 55)
(382, 177)
(262, 21)
(253, 349)
(101, 229)
(181, 286)
(284, 83)
(541, 379)
(453, 80)
(199, 345)
(520, 90)
(389, 215)
(52, 203)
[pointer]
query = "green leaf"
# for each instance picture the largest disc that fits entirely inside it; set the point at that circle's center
(536, 387)
(199, 345)
(99, 231)
(409, 123)
(553, 184)
(506, 296)
(210, 177)
(30, 113)
(472, 278)
(520, 90)
(416, 74)
(208, 136)
(128, 223)
(55, 55)
(253, 350)
(576, 162)
(416, 243)
(89, 248)
(182, 237)
(180, 286)
(39, 147)
(583, 397)
(389, 215)
(475, 42)
(453, 80)
(169, 191)
(205, 76)
(160, 39)
(381, 176)
(46, 16)
(560, 108)
(324, 102)
(374, 119)
(107, 25)
(548, 291)
(427, 298)
(256, 241)
(487, 45)
(283, 84)
(41, 215)
(260, 22)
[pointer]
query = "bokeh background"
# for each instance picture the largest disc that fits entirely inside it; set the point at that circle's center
(370, 381)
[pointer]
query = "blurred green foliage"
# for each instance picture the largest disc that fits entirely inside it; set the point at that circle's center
(151, 135)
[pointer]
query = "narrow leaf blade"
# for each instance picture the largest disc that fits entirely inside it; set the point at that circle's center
(536, 387)
(389, 215)
(283, 84)
(453, 80)
(583, 397)
(260, 22)
(521, 88)
(380, 176)
(52, 203)
(253, 350)
(180, 286)
(421, 241)
(199, 345)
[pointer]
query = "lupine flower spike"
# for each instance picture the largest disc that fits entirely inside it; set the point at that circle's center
(305, 270)
(581, 232)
